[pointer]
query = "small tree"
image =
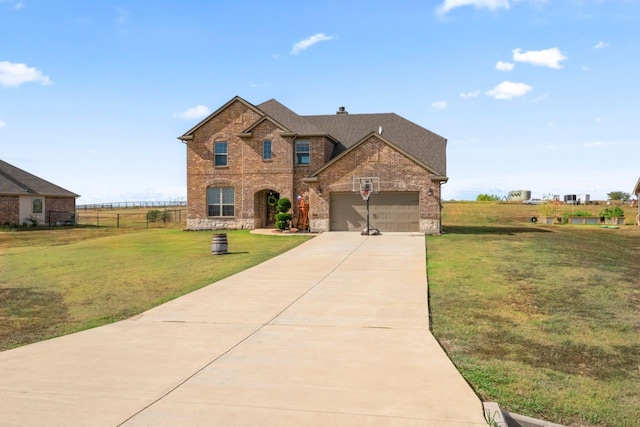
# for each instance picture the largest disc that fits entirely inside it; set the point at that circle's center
(619, 195)
(283, 217)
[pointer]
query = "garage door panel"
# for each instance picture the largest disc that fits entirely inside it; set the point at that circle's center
(393, 211)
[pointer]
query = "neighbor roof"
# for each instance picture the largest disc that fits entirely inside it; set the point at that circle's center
(15, 181)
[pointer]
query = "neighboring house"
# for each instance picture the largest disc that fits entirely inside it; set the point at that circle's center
(242, 155)
(27, 199)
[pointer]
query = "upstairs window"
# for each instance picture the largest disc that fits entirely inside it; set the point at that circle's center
(220, 201)
(302, 153)
(266, 150)
(220, 154)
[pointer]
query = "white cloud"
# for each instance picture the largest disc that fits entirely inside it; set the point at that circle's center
(439, 105)
(597, 144)
(508, 90)
(17, 4)
(601, 45)
(2, 124)
(13, 74)
(504, 66)
(308, 42)
(193, 113)
(540, 98)
(585, 68)
(449, 5)
(468, 95)
(545, 58)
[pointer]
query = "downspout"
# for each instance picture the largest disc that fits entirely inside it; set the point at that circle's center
(242, 182)
(440, 204)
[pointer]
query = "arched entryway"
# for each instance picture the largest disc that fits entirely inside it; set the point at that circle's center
(264, 202)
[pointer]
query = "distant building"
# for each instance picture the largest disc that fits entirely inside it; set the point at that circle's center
(27, 199)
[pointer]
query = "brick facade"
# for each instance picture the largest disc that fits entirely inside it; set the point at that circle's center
(9, 209)
(244, 129)
(60, 210)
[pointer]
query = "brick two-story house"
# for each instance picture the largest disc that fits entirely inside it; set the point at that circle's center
(28, 199)
(242, 154)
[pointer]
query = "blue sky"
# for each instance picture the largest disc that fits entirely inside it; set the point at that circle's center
(537, 95)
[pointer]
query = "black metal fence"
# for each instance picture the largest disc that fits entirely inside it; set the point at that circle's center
(155, 218)
(61, 218)
(126, 205)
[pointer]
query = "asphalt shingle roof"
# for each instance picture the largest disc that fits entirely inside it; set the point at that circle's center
(349, 129)
(288, 118)
(421, 143)
(15, 181)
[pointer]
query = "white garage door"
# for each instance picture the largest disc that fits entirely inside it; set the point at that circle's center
(389, 211)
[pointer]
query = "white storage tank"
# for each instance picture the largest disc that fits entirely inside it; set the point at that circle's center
(519, 195)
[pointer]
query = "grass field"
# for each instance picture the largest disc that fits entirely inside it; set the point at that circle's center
(542, 319)
(57, 281)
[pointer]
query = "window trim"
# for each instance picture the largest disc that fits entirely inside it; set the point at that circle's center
(221, 155)
(307, 152)
(221, 205)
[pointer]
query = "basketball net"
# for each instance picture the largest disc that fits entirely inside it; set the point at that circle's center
(365, 194)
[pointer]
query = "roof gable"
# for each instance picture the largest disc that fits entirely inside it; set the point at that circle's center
(385, 141)
(425, 146)
(15, 181)
(188, 135)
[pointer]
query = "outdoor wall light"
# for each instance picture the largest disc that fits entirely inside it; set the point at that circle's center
(430, 192)
(320, 190)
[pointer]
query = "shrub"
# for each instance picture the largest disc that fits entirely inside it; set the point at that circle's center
(613, 212)
(155, 215)
(487, 198)
(282, 217)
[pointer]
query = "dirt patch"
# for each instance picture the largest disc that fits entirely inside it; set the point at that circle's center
(28, 316)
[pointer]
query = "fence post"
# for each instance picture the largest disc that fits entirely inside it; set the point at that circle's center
(97, 219)
(117, 220)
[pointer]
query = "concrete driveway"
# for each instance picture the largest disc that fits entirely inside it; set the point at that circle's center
(332, 333)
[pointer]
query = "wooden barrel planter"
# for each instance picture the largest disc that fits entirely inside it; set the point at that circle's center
(219, 244)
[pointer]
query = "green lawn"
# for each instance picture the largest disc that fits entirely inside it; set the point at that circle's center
(542, 319)
(54, 282)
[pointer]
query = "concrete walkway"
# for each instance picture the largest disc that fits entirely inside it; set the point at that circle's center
(332, 333)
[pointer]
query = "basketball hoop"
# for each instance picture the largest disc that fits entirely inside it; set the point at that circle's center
(367, 186)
